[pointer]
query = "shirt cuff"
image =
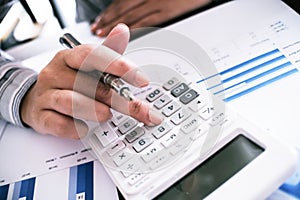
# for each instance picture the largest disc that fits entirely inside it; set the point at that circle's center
(16, 83)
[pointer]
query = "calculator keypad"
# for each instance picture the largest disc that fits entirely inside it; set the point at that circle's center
(134, 148)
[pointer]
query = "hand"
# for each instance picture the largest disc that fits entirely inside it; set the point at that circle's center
(65, 93)
(142, 13)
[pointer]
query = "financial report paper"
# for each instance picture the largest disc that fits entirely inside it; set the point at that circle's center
(257, 56)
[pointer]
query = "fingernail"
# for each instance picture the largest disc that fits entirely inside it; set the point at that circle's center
(141, 79)
(155, 117)
(99, 32)
(93, 26)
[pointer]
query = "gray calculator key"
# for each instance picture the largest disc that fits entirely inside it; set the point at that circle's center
(170, 83)
(134, 134)
(154, 95)
(127, 125)
(179, 90)
(162, 101)
(189, 96)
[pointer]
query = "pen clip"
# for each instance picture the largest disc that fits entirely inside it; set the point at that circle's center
(68, 41)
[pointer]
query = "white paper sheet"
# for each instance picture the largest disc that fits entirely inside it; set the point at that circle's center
(231, 34)
(241, 30)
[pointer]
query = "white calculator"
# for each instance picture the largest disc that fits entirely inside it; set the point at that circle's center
(202, 150)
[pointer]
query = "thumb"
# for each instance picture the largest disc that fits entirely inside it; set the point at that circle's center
(118, 38)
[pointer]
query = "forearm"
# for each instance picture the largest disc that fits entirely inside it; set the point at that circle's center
(15, 81)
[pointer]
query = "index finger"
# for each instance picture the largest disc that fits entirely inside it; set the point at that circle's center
(91, 57)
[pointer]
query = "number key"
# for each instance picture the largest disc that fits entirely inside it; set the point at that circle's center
(170, 108)
(154, 95)
(162, 101)
(142, 143)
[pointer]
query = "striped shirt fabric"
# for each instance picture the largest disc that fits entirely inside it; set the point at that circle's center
(15, 81)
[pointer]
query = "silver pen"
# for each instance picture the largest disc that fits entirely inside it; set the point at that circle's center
(112, 81)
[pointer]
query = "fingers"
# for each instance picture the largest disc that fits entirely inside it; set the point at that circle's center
(130, 18)
(74, 104)
(116, 9)
(118, 38)
(140, 13)
(66, 93)
(56, 124)
(86, 58)
(137, 109)
(152, 19)
(66, 103)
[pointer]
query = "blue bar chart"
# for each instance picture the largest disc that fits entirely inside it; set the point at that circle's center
(81, 182)
(250, 75)
(78, 186)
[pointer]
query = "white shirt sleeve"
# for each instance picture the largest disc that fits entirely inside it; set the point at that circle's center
(15, 81)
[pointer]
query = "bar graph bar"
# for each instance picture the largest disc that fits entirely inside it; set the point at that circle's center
(250, 75)
(79, 186)
(4, 192)
(81, 182)
(22, 190)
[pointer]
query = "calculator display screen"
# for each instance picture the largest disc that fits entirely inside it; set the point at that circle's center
(215, 171)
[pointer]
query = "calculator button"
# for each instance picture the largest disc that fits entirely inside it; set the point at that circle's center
(171, 108)
(170, 83)
(151, 152)
(170, 138)
(180, 116)
(161, 130)
(127, 125)
(154, 95)
(197, 104)
(190, 125)
(132, 165)
(162, 101)
(141, 144)
(179, 90)
(134, 134)
(159, 160)
(134, 178)
(118, 118)
(122, 157)
(188, 97)
(201, 130)
(179, 146)
(105, 134)
(207, 112)
(115, 148)
(217, 119)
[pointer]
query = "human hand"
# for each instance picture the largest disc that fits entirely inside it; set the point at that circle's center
(65, 93)
(142, 13)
